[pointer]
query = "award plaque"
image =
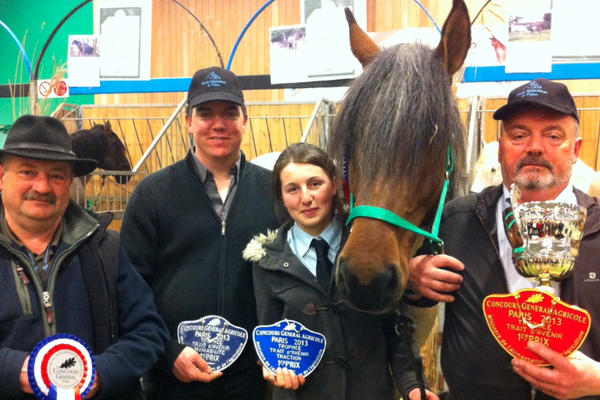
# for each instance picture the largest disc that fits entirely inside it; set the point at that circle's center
(288, 344)
(61, 367)
(545, 237)
(215, 339)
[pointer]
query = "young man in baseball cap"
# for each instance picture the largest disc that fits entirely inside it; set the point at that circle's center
(185, 228)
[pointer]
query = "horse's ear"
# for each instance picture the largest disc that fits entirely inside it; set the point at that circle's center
(363, 47)
(456, 37)
(107, 127)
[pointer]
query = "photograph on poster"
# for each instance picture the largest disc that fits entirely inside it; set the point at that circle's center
(84, 46)
(530, 28)
(288, 38)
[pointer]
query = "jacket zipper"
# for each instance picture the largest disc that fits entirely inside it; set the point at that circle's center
(47, 294)
(22, 282)
(48, 307)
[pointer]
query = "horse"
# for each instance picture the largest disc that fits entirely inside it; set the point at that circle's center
(102, 144)
(267, 160)
(84, 48)
(487, 172)
(397, 129)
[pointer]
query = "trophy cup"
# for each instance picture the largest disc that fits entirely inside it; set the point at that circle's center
(545, 237)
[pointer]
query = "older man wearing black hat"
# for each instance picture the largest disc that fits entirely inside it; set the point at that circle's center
(62, 271)
(538, 147)
(185, 228)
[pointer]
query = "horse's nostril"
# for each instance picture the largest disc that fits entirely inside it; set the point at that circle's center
(384, 290)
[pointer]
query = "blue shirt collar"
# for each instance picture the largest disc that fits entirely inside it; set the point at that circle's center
(301, 240)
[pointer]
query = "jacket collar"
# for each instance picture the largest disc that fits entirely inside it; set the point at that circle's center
(244, 168)
(280, 257)
(486, 206)
(76, 223)
(592, 205)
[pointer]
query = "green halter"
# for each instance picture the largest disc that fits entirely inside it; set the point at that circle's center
(437, 244)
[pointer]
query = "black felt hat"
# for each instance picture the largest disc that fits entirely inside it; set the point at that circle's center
(541, 92)
(44, 138)
(214, 84)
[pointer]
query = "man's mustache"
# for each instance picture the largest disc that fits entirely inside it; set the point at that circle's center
(37, 196)
(534, 160)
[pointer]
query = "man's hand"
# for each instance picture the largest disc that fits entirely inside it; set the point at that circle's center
(571, 378)
(95, 387)
(190, 366)
(285, 378)
(24, 378)
(426, 276)
(415, 394)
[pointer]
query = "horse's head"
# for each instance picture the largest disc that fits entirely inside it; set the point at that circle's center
(394, 131)
(487, 170)
(116, 158)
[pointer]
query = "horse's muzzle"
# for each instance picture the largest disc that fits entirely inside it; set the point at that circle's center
(377, 296)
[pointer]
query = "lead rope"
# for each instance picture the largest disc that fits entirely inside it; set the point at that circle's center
(437, 246)
(405, 331)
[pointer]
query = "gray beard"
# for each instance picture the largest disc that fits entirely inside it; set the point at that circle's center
(537, 182)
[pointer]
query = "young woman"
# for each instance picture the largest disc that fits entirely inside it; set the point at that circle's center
(364, 358)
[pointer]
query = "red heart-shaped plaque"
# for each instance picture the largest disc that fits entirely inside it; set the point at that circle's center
(534, 315)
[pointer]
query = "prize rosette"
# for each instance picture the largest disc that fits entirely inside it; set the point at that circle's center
(61, 367)
(534, 315)
(288, 344)
(217, 341)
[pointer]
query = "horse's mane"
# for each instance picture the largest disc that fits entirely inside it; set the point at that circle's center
(90, 143)
(389, 115)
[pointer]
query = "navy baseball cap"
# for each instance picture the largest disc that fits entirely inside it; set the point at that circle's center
(214, 84)
(541, 92)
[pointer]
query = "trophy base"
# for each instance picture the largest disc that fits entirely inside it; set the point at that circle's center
(535, 315)
(546, 288)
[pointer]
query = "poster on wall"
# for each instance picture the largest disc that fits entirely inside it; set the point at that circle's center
(125, 31)
(575, 30)
(83, 64)
(288, 54)
(318, 49)
(358, 8)
(529, 42)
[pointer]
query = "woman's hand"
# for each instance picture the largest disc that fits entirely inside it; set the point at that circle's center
(284, 379)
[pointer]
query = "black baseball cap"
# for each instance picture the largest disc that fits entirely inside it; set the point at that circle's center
(541, 92)
(214, 84)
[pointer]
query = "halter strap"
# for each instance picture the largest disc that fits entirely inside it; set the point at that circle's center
(366, 211)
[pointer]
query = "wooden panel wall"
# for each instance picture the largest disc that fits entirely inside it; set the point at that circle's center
(180, 47)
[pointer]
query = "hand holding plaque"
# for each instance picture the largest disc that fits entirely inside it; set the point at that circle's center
(545, 237)
(217, 341)
(289, 344)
